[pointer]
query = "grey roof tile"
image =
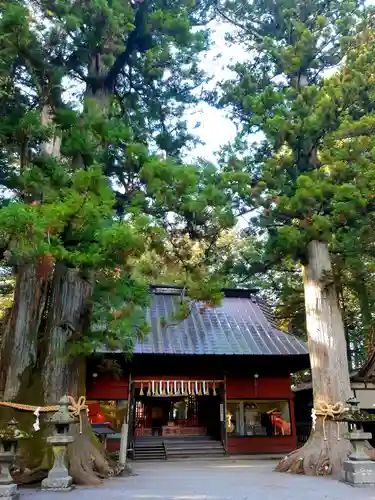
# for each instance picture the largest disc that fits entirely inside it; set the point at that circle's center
(240, 326)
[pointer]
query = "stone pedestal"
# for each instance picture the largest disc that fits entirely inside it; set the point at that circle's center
(359, 469)
(8, 454)
(9, 492)
(58, 477)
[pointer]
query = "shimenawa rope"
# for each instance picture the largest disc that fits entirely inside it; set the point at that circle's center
(327, 410)
(75, 409)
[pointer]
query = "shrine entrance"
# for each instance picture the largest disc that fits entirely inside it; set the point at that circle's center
(178, 409)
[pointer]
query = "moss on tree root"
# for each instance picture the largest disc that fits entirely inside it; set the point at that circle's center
(87, 462)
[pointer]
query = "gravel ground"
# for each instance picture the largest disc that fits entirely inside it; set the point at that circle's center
(208, 480)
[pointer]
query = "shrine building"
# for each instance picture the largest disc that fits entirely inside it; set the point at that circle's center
(216, 383)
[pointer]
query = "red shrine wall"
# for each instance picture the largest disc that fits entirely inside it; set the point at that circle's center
(263, 388)
(261, 445)
(108, 389)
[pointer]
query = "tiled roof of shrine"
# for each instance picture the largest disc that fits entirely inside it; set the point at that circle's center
(241, 325)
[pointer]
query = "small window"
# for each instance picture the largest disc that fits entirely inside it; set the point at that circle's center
(258, 418)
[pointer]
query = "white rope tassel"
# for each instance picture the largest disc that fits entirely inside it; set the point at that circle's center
(196, 387)
(153, 387)
(168, 388)
(204, 388)
(36, 424)
(175, 387)
(182, 388)
(160, 388)
(189, 388)
(313, 418)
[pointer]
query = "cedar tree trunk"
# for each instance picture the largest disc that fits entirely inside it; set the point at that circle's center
(45, 371)
(50, 309)
(69, 313)
(327, 446)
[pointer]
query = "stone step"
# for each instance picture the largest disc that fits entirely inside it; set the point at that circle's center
(194, 452)
(157, 445)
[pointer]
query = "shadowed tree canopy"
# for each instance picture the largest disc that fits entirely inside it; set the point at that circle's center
(93, 180)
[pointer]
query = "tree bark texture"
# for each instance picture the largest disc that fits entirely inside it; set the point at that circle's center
(360, 288)
(41, 376)
(50, 309)
(69, 311)
(19, 341)
(53, 146)
(327, 446)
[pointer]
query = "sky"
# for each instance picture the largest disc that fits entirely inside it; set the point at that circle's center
(215, 129)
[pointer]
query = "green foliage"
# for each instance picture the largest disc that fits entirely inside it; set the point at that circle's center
(9, 435)
(280, 91)
(95, 179)
(6, 292)
(307, 86)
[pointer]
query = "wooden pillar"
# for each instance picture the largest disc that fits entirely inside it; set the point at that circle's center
(224, 423)
(124, 443)
(132, 409)
(293, 420)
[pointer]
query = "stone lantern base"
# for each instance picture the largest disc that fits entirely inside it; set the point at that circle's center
(56, 484)
(58, 477)
(9, 492)
(359, 474)
(359, 469)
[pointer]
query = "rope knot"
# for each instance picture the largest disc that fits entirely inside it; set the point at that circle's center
(328, 410)
(75, 409)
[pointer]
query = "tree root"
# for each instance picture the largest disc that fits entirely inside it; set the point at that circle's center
(87, 463)
(123, 470)
(27, 476)
(87, 459)
(319, 456)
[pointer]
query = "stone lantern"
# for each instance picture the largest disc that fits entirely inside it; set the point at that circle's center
(9, 438)
(358, 469)
(58, 477)
(353, 408)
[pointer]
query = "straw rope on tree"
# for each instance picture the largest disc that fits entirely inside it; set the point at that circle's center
(75, 408)
(328, 411)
